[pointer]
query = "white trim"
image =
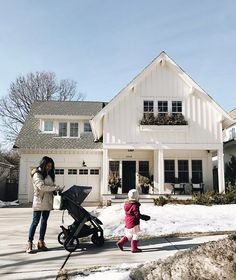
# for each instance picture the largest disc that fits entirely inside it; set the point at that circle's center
(151, 128)
(63, 117)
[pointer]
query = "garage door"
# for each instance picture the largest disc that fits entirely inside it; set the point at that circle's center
(83, 177)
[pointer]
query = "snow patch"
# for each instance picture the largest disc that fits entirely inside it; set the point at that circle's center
(8, 203)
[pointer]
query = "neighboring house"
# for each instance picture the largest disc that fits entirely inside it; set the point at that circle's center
(5, 171)
(161, 125)
(230, 138)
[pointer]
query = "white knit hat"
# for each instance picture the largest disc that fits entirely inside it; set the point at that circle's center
(133, 195)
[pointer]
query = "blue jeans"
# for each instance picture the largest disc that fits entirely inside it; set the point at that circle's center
(43, 225)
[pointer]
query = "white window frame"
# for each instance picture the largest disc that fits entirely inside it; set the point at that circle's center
(90, 127)
(43, 126)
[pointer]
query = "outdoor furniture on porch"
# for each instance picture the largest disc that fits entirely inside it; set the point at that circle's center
(197, 187)
(179, 187)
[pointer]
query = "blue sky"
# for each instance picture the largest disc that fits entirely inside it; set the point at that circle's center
(103, 44)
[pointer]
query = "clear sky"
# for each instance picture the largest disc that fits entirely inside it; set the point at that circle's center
(103, 44)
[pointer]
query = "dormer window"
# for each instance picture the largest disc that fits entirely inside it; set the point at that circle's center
(48, 126)
(74, 129)
(62, 129)
(87, 127)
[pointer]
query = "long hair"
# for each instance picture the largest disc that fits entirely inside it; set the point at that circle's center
(42, 168)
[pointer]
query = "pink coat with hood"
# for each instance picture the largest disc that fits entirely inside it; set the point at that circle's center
(132, 214)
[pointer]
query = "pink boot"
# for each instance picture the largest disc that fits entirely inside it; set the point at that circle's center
(122, 242)
(134, 247)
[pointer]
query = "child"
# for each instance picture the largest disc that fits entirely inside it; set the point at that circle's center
(132, 221)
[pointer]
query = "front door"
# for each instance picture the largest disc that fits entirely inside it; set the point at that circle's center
(128, 176)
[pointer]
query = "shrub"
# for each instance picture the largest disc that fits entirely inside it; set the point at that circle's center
(160, 201)
(210, 198)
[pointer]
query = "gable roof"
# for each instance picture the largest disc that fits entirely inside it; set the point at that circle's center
(232, 113)
(162, 58)
(31, 138)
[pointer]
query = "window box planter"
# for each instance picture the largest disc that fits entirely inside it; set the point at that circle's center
(163, 127)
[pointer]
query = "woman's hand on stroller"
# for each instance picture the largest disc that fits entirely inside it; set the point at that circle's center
(59, 189)
(145, 217)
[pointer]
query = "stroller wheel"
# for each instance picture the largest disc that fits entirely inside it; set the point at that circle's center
(97, 240)
(61, 238)
(71, 245)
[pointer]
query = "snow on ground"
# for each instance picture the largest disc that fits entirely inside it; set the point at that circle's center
(120, 272)
(169, 219)
(8, 203)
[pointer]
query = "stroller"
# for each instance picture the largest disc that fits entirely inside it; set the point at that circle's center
(84, 225)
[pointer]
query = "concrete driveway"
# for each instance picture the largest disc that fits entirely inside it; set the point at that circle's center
(16, 264)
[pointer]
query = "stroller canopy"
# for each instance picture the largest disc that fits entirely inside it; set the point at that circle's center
(77, 193)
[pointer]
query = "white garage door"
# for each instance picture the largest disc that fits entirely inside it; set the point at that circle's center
(82, 177)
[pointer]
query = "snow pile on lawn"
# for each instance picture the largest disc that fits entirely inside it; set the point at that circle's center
(120, 272)
(8, 203)
(171, 219)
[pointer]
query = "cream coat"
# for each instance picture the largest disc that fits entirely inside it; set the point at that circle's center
(43, 192)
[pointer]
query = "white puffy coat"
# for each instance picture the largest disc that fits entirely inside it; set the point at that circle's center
(43, 192)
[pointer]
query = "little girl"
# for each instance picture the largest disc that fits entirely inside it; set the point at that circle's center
(132, 222)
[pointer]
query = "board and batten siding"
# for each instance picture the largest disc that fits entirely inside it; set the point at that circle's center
(121, 124)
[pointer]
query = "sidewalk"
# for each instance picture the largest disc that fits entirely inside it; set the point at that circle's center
(16, 264)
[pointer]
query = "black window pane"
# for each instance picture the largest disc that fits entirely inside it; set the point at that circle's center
(114, 168)
(162, 106)
(197, 171)
(183, 174)
(63, 129)
(144, 168)
(169, 166)
(74, 129)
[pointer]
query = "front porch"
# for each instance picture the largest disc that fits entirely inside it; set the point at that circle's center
(162, 167)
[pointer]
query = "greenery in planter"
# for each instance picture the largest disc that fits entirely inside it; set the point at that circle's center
(145, 183)
(114, 183)
(164, 119)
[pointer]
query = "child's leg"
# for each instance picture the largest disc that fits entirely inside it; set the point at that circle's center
(134, 244)
(120, 244)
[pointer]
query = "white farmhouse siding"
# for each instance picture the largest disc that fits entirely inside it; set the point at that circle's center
(119, 124)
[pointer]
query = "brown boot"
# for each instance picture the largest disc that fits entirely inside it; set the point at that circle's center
(42, 246)
(29, 248)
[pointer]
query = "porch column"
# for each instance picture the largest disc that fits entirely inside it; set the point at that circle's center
(160, 171)
(104, 188)
(221, 178)
(155, 171)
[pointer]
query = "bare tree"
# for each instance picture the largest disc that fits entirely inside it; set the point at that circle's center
(24, 91)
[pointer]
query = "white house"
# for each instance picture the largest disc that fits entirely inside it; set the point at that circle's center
(161, 125)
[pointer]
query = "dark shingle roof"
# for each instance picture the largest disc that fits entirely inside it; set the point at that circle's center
(30, 136)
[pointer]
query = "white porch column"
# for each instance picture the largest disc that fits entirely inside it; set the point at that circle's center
(160, 171)
(155, 171)
(104, 187)
(221, 178)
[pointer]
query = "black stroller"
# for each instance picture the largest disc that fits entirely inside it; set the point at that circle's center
(84, 225)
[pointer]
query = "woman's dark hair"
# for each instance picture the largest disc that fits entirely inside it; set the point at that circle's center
(42, 168)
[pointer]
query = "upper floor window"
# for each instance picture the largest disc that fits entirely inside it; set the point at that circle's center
(176, 106)
(48, 126)
(162, 107)
(74, 129)
(148, 108)
(62, 129)
(87, 127)
(232, 133)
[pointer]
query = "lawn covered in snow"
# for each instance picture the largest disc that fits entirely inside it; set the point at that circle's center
(171, 219)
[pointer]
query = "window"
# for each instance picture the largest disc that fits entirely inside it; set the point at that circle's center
(48, 126)
(232, 133)
(147, 108)
(162, 107)
(144, 168)
(169, 171)
(183, 175)
(94, 171)
(74, 129)
(176, 106)
(72, 171)
(87, 127)
(62, 129)
(196, 171)
(83, 171)
(114, 168)
(59, 171)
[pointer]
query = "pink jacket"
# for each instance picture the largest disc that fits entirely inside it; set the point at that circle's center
(132, 214)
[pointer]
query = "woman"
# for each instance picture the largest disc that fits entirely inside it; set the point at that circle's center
(44, 186)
